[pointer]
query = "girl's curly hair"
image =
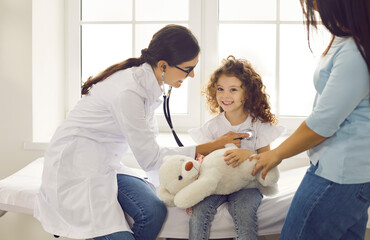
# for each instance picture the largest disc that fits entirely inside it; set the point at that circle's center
(256, 104)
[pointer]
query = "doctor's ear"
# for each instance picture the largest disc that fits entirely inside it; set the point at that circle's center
(162, 65)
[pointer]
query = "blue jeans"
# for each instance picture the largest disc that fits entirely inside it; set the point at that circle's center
(242, 206)
(139, 201)
(322, 209)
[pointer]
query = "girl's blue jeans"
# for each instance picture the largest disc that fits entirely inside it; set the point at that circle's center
(242, 206)
(139, 201)
(322, 209)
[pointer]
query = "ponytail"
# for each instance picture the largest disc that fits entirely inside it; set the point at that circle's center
(131, 62)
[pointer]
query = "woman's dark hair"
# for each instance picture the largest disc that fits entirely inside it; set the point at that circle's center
(256, 100)
(342, 18)
(173, 43)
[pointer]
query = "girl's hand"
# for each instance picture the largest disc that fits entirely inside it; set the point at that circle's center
(231, 137)
(265, 161)
(237, 156)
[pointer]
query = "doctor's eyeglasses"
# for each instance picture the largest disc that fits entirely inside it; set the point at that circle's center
(187, 71)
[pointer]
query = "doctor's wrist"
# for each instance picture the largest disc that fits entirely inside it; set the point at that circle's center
(207, 148)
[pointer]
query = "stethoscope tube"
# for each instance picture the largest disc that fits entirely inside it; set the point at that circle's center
(166, 111)
(167, 115)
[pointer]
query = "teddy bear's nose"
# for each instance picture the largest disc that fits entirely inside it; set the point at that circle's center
(188, 166)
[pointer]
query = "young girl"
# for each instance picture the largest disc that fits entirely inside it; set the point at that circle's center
(236, 93)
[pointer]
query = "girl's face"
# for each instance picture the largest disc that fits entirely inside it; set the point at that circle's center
(175, 75)
(229, 94)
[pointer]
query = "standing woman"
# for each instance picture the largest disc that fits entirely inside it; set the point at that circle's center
(85, 191)
(334, 196)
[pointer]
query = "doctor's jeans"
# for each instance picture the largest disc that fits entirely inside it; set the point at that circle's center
(139, 201)
(322, 209)
(242, 206)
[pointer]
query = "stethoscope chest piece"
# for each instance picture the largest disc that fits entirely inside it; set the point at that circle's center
(251, 134)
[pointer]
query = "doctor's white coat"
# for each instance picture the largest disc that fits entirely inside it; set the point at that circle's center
(78, 195)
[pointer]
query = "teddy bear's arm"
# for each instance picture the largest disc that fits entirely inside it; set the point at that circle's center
(271, 178)
(165, 196)
(197, 190)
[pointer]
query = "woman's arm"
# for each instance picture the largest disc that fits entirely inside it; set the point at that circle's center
(301, 140)
(263, 149)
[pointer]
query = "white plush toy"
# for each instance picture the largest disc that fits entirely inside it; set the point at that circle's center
(184, 181)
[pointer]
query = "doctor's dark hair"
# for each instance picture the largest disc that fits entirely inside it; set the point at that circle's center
(174, 44)
(256, 102)
(343, 18)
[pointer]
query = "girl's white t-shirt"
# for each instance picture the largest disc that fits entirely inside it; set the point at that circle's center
(263, 133)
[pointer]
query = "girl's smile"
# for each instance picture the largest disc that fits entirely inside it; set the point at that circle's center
(227, 103)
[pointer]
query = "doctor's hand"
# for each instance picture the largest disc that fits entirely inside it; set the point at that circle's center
(265, 161)
(237, 156)
(220, 142)
(231, 137)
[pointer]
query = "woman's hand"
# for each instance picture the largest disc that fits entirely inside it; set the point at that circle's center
(301, 140)
(237, 156)
(265, 161)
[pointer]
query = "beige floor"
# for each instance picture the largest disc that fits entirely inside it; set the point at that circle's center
(15, 226)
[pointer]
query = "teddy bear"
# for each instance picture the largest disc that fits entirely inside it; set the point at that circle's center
(184, 181)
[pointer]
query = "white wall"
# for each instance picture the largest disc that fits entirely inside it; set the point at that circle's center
(31, 77)
(15, 85)
(16, 108)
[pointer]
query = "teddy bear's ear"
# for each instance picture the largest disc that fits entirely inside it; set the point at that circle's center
(165, 196)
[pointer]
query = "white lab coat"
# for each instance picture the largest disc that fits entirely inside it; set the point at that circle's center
(78, 195)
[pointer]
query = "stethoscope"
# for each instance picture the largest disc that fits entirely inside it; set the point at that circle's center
(250, 132)
(166, 109)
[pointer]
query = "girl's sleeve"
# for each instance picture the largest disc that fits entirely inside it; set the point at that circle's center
(267, 133)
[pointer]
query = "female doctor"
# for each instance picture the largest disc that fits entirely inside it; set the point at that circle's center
(85, 191)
